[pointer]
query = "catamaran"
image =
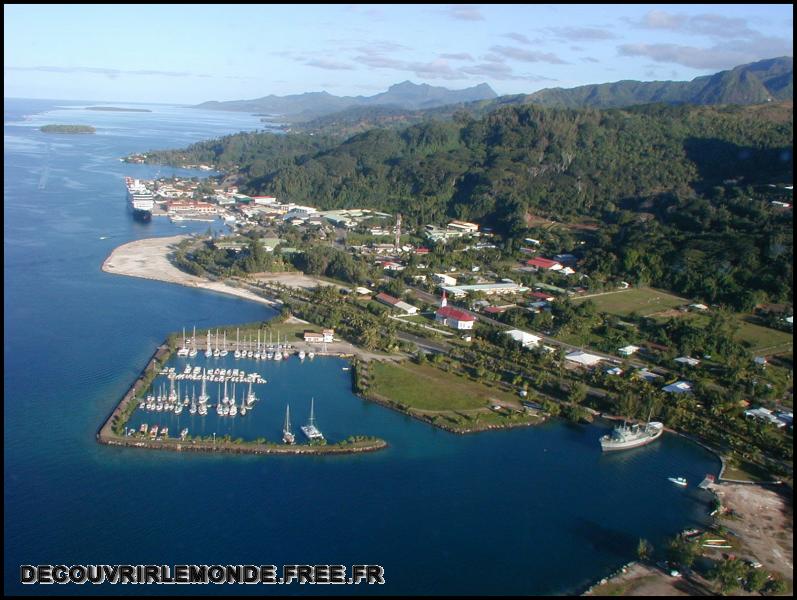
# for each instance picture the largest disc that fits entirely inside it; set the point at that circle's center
(310, 430)
(287, 436)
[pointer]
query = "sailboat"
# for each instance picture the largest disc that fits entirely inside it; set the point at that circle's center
(192, 351)
(216, 352)
(242, 410)
(208, 352)
(237, 344)
(287, 436)
(183, 351)
(224, 345)
(310, 430)
(178, 407)
(233, 409)
(250, 397)
(249, 354)
(257, 352)
(192, 408)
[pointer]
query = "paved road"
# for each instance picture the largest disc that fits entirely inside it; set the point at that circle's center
(427, 297)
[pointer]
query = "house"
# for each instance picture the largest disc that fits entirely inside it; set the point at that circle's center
(765, 414)
(543, 296)
(463, 226)
(624, 285)
(444, 279)
(329, 335)
(454, 318)
(526, 339)
(363, 291)
(264, 199)
(396, 303)
(567, 271)
(761, 361)
(614, 371)
(686, 360)
(679, 387)
(647, 375)
(421, 250)
(390, 265)
(566, 259)
(628, 350)
(544, 263)
(313, 337)
(585, 359)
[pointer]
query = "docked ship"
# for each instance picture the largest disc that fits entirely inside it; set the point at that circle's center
(625, 437)
(141, 200)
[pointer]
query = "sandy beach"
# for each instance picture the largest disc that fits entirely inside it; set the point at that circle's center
(148, 259)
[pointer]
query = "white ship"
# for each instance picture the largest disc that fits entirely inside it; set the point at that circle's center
(625, 437)
(141, 199)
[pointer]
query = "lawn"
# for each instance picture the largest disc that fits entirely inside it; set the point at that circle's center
(758, 338)
(427, 388)
(643, 301)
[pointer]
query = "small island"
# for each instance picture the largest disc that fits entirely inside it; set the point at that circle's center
(118, 109)
(68, 129)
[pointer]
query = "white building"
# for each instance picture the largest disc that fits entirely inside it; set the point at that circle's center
(686, 360)
(444, 279)
(584, 358)
(527, 339)
(628, 350)
(679, 387)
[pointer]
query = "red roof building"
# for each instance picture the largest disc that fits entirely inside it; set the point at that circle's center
(544, 263)
(542, 296)
(454, 317)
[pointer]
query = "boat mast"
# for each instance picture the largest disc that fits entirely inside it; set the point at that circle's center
(312, 418)
(287, 418)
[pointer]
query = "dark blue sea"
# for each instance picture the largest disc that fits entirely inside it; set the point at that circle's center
(526, 511)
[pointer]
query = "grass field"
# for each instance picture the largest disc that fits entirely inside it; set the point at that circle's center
(647, 301)
(643, 301)
(427, 388)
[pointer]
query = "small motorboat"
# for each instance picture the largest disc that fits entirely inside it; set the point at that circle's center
(678, 481)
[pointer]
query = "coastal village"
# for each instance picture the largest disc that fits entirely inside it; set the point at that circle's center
(455, 305)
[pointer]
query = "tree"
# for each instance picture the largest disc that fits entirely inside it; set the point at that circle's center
(682, 552)
(728, 574)
(644, 549)
(757, 580)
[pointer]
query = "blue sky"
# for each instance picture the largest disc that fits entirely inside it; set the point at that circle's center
(193, 53)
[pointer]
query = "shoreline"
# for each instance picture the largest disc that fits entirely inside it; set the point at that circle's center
(148, 259)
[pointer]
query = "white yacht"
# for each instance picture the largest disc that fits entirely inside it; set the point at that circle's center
(192, 352)
(310, 430)
(287, 435)
(183, 351)
(224, 345)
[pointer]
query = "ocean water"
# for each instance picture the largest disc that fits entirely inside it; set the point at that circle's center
(526, 511)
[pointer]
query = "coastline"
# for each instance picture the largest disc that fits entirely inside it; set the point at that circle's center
(147, 259)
